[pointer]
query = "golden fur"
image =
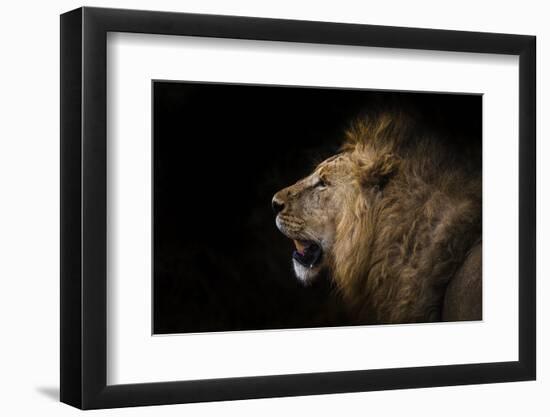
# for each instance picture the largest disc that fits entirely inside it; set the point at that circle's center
(397, 247)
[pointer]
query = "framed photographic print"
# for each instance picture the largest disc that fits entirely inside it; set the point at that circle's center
(257, 208)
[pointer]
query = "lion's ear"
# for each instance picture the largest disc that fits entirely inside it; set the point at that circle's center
(379, 172)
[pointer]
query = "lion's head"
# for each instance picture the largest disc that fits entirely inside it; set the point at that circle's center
(391, 217)
(317, 212)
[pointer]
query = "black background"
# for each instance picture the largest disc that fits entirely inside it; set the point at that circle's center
(220, 153)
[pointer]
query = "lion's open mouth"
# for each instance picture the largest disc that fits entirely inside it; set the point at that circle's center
(307, 253)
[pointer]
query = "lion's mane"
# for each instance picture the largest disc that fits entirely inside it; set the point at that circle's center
(401, 239)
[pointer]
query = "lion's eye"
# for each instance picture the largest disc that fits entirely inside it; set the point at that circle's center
(321, 183)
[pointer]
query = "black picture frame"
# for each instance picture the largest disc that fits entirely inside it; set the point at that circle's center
(83, 207)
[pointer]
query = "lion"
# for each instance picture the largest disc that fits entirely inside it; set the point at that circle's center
(395, 220)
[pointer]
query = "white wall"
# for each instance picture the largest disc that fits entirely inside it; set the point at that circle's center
(29, 206)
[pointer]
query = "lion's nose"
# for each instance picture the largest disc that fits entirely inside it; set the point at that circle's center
(277, 205)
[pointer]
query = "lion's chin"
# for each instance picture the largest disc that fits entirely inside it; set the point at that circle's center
(305, 274)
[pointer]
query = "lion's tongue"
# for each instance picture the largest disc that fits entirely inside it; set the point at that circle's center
(300, 246)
